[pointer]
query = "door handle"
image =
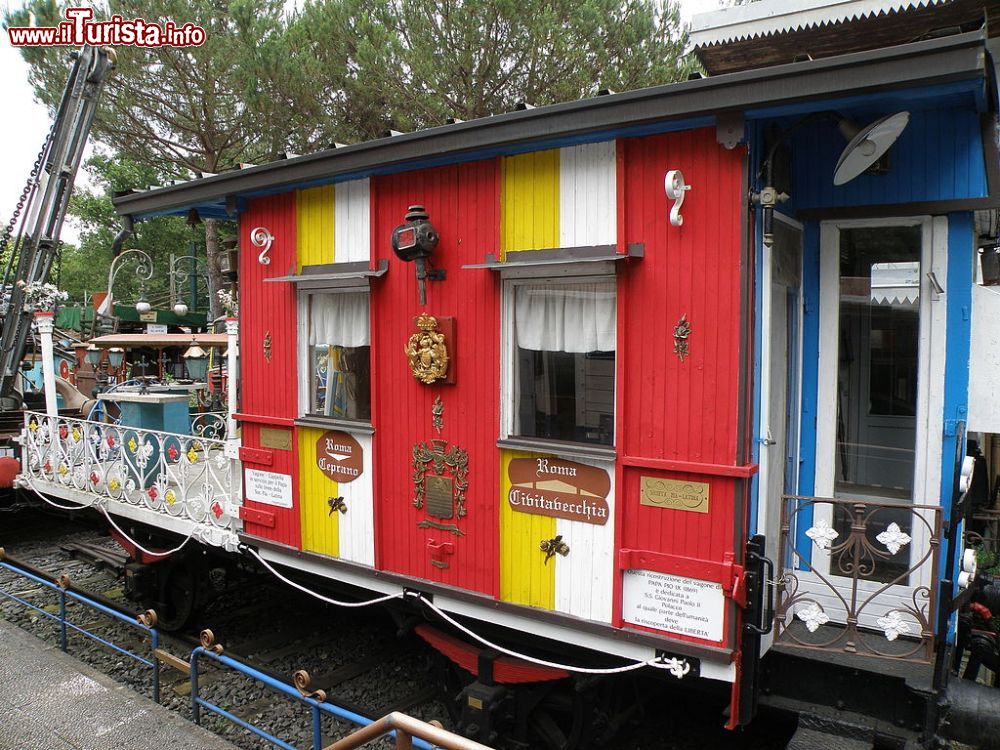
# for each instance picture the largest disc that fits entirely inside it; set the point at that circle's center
(768, 440)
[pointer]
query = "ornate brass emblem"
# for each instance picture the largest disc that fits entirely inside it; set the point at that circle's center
(427, 351)
(440, 480)
(267, 345)
(553, 547)
(681, 332)
(437, 415)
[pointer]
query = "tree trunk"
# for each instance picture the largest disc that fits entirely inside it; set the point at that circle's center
(213, 252)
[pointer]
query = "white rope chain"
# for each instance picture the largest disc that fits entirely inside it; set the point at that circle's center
(26, 479)
(489, 644)
(315, 594)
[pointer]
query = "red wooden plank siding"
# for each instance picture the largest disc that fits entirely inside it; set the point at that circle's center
(673, 410)
(269, 386)
(463, 204)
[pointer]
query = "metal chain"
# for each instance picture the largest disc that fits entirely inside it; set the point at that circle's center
(35, 171)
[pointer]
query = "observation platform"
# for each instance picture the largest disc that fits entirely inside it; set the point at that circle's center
(51, 701)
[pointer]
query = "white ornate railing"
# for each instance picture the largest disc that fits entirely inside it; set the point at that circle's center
(209, 424)
(185, 476)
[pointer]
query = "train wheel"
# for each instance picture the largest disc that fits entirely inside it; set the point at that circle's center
(560, 720)
(178, 595)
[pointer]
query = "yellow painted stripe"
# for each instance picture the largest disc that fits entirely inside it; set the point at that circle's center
(320, 528)
(529, 201)
(314, 222)
(524, 576)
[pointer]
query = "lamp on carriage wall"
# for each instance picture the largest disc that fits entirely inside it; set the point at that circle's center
(415, 240)
(865, 147)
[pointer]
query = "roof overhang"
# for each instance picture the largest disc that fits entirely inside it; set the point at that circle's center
(676, 106)
(770, 32)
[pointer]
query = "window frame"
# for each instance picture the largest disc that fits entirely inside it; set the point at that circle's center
(305, 364)
(553, 274)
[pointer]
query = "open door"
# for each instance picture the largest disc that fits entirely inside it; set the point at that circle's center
(781, 367)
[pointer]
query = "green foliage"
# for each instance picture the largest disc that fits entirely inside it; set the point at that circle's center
(410, 64)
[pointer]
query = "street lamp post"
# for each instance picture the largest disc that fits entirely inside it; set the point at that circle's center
(180, 275)
(144, 270)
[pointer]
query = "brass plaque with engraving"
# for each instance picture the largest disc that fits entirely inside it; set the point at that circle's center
(658, 492)
(276, 437)
(440, 496)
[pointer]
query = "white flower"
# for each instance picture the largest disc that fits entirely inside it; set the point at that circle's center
(893, 625)
(812, 616)
(822, 534)
(893, 538)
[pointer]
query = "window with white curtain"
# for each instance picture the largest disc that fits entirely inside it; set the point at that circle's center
(563, 360)
(339, 339)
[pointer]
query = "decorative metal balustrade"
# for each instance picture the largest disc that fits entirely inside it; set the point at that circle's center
(858, 576)
(210, 424)
(186, 476)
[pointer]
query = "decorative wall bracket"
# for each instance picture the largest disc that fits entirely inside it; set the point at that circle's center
(681, 332)
(437, 415)
(675, 188)
(261, 237)
(553, 547)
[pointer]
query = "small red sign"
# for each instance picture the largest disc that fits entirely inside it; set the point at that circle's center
(340, 456)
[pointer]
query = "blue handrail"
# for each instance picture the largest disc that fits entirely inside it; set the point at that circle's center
(65, 625)
(316, 707)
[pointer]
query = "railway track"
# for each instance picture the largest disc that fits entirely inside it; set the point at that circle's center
(357, 657)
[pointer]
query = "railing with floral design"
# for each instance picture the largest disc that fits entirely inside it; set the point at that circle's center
(185, 476)
(858, 576)
(210, 424)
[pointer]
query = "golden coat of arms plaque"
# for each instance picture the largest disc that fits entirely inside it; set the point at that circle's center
(427, 351)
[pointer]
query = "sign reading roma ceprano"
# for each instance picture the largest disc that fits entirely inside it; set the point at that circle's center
(340, 456)
(558, 488)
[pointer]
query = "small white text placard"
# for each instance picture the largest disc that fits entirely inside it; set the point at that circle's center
(269, 487)
(686, 606)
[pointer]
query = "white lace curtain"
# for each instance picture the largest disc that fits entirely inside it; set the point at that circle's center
(577, 317)
(339, 319)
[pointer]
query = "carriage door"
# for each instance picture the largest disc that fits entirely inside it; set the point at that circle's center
(779, 388)
(863, 544)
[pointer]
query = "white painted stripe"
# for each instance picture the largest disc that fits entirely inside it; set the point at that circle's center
(352, 221)
(588, 208)
(585, 577)
(357, 527)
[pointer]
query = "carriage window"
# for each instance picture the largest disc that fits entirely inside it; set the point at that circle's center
(564, 360)
(339, 355)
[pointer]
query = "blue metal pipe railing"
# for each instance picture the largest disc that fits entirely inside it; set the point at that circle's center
(316, 707)
(65, 625)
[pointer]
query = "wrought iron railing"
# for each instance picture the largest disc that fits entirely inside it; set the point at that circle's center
(858, 576)
(210, 424)
(186, 476)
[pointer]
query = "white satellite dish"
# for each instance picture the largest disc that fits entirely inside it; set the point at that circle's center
(868, 145)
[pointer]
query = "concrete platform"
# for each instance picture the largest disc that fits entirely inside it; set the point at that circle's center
(51, 701)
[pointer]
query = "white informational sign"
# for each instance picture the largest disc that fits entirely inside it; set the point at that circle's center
(269, 487)
(156, 328)
(685, 606)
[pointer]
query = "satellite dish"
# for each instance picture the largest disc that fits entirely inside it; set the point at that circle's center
(868, 145)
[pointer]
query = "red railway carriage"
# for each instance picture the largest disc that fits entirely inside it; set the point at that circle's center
(519, 374)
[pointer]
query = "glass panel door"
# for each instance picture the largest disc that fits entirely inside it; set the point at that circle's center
(877, 367)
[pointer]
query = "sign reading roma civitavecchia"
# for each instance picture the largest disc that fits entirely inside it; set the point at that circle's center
(340, 456)
(558, 488)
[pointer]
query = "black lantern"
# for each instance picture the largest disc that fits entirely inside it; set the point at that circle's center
(415, 240)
